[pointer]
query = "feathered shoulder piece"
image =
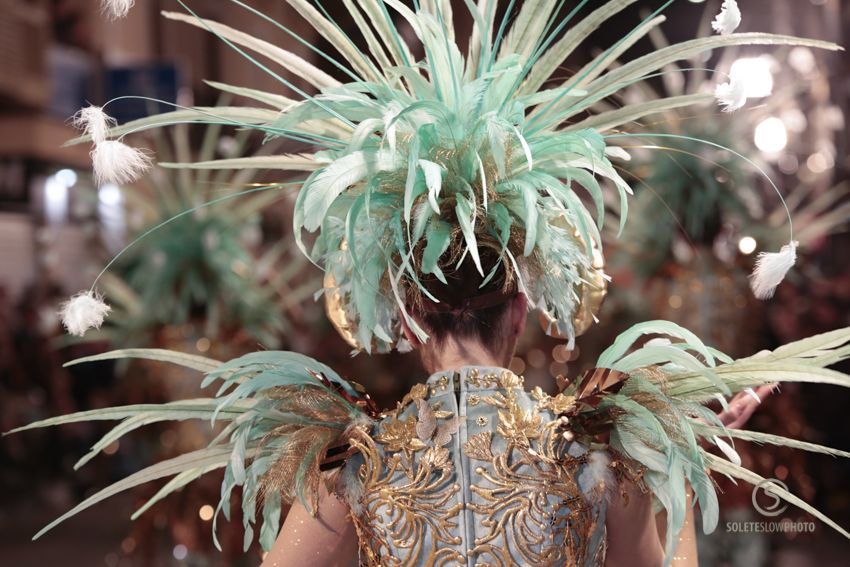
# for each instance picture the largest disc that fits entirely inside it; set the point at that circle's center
(417, 161)
(650, 401)
(287, 418)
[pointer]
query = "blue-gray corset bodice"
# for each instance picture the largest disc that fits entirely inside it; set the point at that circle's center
(470, 469)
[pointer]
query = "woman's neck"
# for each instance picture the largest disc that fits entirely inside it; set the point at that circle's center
(451, 354)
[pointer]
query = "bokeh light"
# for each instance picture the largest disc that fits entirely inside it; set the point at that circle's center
(206, 512)
(180, 552)
(747, 245)
(771, 136)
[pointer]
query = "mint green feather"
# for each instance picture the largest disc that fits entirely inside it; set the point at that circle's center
(657, 419)
(192, 361)
(769, 439)
(285, 162)
(274, 100)
(465, 210)
(264, 400)
(176, 483)
(209, 457)
(626, 340)
(171, 410)
(549, 62)
(242, 116)
(439, 239)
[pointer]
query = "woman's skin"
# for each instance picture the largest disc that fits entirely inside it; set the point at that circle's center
(326, 540)
(634, 532)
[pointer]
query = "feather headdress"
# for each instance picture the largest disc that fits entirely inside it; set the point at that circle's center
(413, 157)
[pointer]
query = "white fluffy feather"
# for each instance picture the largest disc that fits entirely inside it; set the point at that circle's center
(732, 95)
(595, 472)
(95, 122)
(116, 162)
(350, 488)
(729, 18)
(117, 8)
(770, 270)
(82, 312)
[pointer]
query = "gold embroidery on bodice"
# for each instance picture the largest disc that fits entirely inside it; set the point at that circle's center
(486, 478)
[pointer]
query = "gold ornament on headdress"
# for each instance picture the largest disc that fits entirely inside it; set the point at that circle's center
(335, 307)
(592, 292)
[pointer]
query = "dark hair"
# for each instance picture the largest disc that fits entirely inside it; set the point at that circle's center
(466, 308)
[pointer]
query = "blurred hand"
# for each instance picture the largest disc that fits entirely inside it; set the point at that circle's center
(742, 406)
